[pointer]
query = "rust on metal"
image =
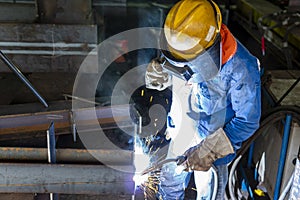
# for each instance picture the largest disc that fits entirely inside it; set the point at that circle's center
(66, 179)
(39, 121)
(112, 157)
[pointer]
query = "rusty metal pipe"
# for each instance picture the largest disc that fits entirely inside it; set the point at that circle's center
(66, 179)
(39, 121)
(111, 157)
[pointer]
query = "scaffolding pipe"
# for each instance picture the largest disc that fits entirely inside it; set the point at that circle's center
(111, 157)
(66, 179)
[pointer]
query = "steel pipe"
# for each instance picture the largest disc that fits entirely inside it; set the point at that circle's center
(67, 179)
(111, 157)
(13, 68)
(50, 52)
(47, 44)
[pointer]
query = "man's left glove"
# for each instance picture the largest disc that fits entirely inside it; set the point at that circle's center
(202, 156)
(156, 77)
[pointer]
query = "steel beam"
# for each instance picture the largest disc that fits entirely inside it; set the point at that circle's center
(39, 121)
(67, 179)
(111, 157)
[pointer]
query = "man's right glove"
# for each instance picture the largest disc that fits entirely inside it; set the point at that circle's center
(202, 156)
(156, 77)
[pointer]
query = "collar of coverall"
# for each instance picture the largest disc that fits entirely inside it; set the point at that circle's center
(229, 44)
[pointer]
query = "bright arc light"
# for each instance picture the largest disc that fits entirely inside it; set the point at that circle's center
(179, 169)
(140, 179)
(141, 162)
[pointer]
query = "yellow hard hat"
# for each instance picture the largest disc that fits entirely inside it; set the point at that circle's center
(191, 27)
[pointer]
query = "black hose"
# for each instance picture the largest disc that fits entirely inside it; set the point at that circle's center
(268, 118)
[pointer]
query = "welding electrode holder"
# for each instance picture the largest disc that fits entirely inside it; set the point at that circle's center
(184, 72)
(179, 160)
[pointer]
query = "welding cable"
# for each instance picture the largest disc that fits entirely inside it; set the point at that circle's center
(287, 188)
(215, 189)
(232, 170)
(274, 115)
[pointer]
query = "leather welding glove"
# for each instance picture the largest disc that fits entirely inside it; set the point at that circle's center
(156, 77)
(202, 156)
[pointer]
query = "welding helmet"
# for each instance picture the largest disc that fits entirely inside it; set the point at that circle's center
(191, 41)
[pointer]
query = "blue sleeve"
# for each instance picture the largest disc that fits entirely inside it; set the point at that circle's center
(245, 97)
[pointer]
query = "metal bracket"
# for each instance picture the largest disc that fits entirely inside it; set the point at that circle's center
(73, 125)
(51, 152)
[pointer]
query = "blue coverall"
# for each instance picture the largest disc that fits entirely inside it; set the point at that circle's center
(231, 100)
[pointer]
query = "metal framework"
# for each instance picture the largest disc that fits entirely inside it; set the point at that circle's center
(70, 171)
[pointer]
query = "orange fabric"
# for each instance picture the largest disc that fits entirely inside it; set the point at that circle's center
(229, 44)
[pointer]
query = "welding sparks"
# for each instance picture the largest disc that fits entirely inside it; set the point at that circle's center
(142, 93)
(151, 99)
(148, 182)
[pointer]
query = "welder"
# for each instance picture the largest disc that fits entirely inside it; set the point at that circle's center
(216, 86)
